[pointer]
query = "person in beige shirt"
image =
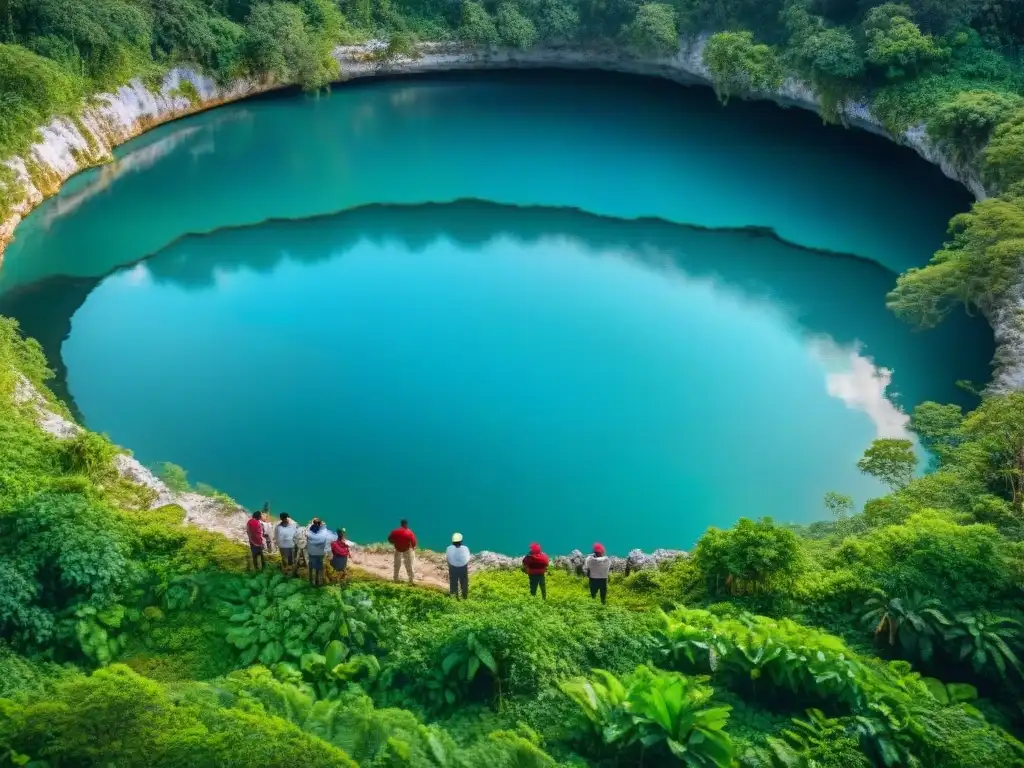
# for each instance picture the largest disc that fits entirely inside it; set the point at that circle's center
(597, 567)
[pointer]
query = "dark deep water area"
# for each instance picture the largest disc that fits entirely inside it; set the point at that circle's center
(533, 305)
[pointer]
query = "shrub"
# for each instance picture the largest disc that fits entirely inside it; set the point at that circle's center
(896, 44)
(750, 558)
(777, 660)
(514, 29)
(738, 65)
(1002, 163)
(653, 31)
(118, 717)
(654, 715)
(65, 562)
(477, 26)
(274, 618)
(966, 121)
(933, 555)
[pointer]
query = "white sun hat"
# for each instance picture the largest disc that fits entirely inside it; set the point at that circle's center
(456, 538)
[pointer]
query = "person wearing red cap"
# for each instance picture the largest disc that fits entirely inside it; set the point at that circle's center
(536, 565)
(597, 566)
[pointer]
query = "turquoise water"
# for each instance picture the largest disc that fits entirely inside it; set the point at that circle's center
(517, 370)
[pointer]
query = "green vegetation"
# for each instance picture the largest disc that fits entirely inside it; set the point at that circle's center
(889, 636)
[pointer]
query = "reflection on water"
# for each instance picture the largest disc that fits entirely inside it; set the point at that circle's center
(135, 158)
(858, 382)
(494, 368)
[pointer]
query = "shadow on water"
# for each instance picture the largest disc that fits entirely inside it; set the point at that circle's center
(833, 295)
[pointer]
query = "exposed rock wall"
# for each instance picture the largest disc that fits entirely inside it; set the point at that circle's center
(67, 145)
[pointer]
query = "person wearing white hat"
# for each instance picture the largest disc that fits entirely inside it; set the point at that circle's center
(458, 567)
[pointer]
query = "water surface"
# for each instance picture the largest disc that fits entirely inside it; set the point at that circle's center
(509, 373)
(566, 363)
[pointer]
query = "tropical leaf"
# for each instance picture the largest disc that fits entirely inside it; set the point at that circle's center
(486, 658)
(472, 666)
(452, 660)
(271, 653)
(335, 653)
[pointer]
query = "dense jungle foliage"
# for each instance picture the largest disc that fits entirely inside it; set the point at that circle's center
(889, 636)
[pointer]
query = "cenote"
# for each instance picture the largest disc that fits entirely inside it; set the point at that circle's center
(549, 306)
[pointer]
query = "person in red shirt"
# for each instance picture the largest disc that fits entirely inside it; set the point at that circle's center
(254, 530)
(536, 566)
(339, 554)
(404, 541)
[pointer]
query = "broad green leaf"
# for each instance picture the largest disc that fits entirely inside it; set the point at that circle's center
(487, 659)
(451, 661)
(335, 653)
(959, 692)
(271, 653)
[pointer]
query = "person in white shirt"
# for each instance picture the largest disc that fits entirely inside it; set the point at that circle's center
(318, 542)
(596, 567)
(284, 537)
(458, 567)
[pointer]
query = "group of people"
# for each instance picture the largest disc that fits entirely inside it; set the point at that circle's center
(596, 567)
(308, 546)
(299, 546)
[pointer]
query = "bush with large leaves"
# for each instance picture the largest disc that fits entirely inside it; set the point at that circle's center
(378, 736)
(774, 660)
(65, 566)
(911, 621)
(275, 618)
(654, 715)
(990, 643)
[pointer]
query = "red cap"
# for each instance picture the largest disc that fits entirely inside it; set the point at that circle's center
(535, 549)
(599, 549)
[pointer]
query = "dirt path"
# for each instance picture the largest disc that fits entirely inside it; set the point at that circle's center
(429, 568)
